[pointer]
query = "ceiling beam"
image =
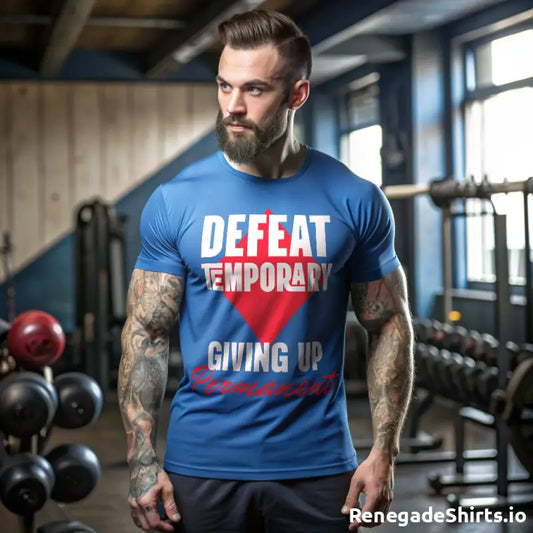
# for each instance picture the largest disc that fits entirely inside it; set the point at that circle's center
(371, 46)
(198, 37)
(67, 26)
(114, 22)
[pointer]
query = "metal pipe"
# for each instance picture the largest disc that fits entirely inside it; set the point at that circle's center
(398, 192)
(461, 189)
(503, 328)
(447, 263)
(529, 274)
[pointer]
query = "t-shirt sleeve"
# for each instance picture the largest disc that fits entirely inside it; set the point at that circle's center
(374, 256)
(159, 251)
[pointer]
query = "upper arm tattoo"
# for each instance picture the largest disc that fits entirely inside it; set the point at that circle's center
(154, 299)
(375, 302)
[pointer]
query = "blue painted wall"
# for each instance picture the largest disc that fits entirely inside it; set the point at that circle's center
(321, 119)
(46, 284)
(131, 205)
(429, 163)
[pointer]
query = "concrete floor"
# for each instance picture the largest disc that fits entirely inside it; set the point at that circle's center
(106, 509)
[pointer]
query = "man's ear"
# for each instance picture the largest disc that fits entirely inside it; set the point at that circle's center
(299, 94)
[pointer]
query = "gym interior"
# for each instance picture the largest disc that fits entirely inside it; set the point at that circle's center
(101, 101)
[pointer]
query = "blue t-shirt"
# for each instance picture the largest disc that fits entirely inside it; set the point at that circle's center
(267, 266)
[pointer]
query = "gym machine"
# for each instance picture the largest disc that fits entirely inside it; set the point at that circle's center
(99, 251)
(509, 410)
(6, 251)
(101, 288)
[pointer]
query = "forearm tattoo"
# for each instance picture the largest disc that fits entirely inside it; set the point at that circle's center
(381, 307)
(152, 308)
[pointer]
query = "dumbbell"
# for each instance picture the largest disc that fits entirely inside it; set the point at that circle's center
(487, 383)
(428, 331)
(27, 403)
(469, 376)
(518, 353)
(26, 482)
(470, 342)
(65, 526)
(80, 400)
(450, 365)
(77, 471)
(440, 332)
(454, 338)
(487, 350)
(441, 383)
(436, 333)
(455, 370)
(432, 359)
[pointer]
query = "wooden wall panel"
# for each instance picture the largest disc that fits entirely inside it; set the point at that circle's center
(4, 155)
(65, 143)
(175, 118)
(147, 152)
(27, 230)
(86, 168)
(205, 108)
(117, 151)
(56, 178)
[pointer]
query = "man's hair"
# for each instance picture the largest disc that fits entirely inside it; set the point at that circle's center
(262, 27)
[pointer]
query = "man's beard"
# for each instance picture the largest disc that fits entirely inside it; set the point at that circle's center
(247, 146)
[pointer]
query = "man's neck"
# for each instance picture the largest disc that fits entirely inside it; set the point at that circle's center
(282, 160)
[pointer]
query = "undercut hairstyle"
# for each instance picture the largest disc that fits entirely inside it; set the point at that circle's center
(261, 27)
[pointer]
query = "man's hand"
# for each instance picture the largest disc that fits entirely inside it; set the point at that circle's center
(374, 477)
(144, 507)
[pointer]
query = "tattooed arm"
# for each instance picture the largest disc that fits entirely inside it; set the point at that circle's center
(153, 305)
(381, 307)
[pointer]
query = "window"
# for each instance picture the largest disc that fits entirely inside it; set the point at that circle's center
(499, 144)
(360, 142)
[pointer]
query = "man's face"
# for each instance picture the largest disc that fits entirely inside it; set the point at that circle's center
(253, 100)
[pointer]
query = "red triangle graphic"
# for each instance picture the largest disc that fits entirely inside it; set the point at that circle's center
(280, 289)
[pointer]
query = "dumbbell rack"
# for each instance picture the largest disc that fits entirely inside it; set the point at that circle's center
(35, 445)
(27, 522)
(502, 480)
(22, 445)
(443, 194)
(503, 297)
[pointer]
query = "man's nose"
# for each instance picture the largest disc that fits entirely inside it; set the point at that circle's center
(236, 104)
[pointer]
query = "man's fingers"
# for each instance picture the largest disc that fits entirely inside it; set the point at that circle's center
(145, 515)
(375, 501)
(138, 517)
(170, 505)
(372, 504)
(154, 521)
(352, 498)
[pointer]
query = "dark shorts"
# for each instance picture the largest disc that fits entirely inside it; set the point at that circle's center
(309, 505)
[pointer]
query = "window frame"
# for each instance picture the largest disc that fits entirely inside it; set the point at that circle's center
(472, 94)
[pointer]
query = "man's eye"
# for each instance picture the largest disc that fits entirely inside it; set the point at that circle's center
(224, 86)
(254, 90)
